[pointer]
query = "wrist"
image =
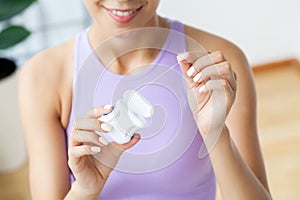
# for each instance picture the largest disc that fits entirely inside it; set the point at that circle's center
(78, 192)
(223, 144)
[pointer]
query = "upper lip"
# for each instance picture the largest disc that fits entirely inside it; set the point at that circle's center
(124, 10)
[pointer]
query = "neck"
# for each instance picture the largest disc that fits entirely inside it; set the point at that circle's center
(100, 32)
(132, 41)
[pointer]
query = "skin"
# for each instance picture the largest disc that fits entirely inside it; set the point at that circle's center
(45, 110)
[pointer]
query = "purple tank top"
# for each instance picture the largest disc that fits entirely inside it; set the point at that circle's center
(165, 163)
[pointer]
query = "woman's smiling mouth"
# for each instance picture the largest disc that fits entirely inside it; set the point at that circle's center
(123, 16)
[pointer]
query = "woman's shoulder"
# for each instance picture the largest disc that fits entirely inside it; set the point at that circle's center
(47, 75)
(51, 60)
(209, 41)
(49, 66)
(212, 42)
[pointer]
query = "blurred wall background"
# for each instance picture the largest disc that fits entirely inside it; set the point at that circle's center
(265, 30)
(51, 23)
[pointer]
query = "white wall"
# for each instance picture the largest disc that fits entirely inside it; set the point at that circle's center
(12, 146)
(265, 29)
(298, 38)
(51, 23)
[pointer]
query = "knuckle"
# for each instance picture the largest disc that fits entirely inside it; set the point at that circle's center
(225, 83)
(71, 153)
(209, 84)
(97, 125)
(86, 149)
(76, 122)
(227, 66)
(102, 109)
(94, 112)
(76, 136)
(219, 55)
(72, 137)
(95, 137)
(205, 71)
(75, 132)
(90, 111)
(97, 111)
(91, 137)
(187, 54)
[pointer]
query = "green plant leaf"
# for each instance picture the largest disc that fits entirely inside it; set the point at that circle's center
(10, 8)
(12, 36)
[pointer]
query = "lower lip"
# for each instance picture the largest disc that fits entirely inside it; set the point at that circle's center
(123, 19)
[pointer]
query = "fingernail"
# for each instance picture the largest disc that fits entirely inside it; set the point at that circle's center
(106, 127)
(103, 141)
(190, 72)
(197, 77)
(202, 88)
(182, 56)
(107, 107)
(96, 149)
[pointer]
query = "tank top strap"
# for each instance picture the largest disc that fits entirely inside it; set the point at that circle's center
(175, 43)
(176, 39)
(82, 51)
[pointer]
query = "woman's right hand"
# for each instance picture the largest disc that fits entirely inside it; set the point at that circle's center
(91, 157)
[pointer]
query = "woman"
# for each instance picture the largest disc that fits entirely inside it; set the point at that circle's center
(58, 141)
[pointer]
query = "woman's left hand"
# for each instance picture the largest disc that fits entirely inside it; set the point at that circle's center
(211, 88)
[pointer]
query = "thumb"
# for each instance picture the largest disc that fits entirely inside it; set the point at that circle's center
(185, 61)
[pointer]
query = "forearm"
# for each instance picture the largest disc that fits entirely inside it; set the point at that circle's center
(235, 178)
(76, 192)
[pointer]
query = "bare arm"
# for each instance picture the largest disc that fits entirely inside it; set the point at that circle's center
(45, 136)
(243, 143)
(41, 113)
(236, 158)
(241, 120)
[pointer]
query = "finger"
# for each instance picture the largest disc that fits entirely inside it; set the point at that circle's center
(190, 56)
(186, 60)
(91, 124)
(205, 61)
(198, 99)
(76, 152)
(135, 138)
(218, 71)
(105, 127)
(88, 137)
(230, 93)
(211, 85)
(221, 87)
(97, 112)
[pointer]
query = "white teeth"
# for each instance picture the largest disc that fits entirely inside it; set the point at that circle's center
(121, 13)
